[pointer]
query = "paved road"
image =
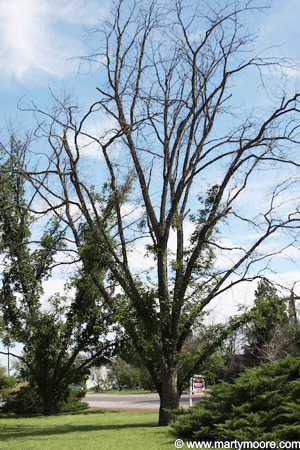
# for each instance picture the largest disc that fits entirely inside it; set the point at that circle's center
(129, 401)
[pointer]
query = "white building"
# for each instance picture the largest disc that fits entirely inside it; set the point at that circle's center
(99, 377)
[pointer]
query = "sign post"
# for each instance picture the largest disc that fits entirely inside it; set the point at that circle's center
(197, 387)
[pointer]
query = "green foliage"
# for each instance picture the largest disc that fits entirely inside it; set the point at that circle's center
(53, 335)
(269, 310)
(271, 332)
(24, 401)
(4, 379)
(262, 404)
(133, 375)
(27, 400)
(124, 374)
(47, 366)
(126, 352)
(72, 401)
(190, 354)
(6, 383)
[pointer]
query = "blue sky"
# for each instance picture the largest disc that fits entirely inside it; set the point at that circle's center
(41, 40)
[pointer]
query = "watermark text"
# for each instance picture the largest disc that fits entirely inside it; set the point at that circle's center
(239, 445)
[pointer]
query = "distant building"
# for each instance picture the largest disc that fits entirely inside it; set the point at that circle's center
(98, 377)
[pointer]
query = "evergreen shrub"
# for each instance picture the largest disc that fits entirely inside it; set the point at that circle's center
(27, 401)
(262, 404)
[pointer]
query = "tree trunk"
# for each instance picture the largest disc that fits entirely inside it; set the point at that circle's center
(49, 406)
(169, 398)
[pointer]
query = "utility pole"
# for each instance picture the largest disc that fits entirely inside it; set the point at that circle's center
(8, 366)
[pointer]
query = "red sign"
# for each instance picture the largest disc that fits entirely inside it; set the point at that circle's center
(198, 386)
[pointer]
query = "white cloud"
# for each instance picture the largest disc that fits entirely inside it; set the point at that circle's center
(140, 260)
(102, 130)
(132, 211)
(38, 36)
(282, 20)
(51, 287)
(286, 281)
(280, 33)
(228, 304)
(96, 131)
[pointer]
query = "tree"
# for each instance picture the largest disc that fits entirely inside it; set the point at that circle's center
(270, 315)
(124, 374)
(179, 146)
(54, 332)
(212, 366)
(126, 352)
(272, 331)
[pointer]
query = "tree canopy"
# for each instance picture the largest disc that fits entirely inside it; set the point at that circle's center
(53, 332)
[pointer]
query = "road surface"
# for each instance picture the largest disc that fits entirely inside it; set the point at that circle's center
(129, 401)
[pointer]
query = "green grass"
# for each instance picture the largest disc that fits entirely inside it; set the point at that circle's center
(97, 430)
(120, 392)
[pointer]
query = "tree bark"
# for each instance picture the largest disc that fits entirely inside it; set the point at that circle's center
(49, 406)
(169, 397)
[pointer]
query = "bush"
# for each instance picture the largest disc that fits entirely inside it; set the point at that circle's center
(262, 404)
(73, 401)
(24, 400)
(6, 383)
(27, 401)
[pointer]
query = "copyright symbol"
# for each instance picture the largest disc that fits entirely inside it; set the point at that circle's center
(179, 443)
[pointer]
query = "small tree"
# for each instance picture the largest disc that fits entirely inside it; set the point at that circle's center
(124, 374)
(53, 334)
(270, 331)
(127, 352)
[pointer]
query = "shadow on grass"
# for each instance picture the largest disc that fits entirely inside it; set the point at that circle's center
(27, 431)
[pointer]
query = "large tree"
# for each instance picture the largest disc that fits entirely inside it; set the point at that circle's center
(175, 145)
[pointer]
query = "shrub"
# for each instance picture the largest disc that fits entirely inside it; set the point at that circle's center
(6, 383)
(27, 401)
(24, 400)
(262, 404)
(73, 402)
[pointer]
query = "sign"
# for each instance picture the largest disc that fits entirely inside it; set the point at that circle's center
(197, 387)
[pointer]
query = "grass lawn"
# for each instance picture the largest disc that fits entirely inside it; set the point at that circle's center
(121, 392)
(93, 430)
